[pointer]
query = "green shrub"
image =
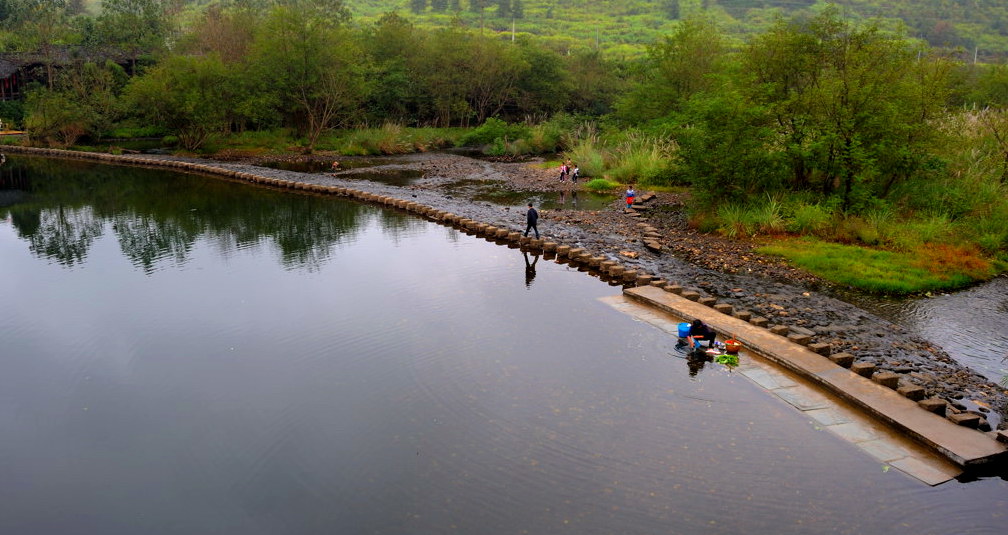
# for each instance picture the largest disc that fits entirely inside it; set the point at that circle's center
(601, 184)
(520, 147)
(768, 217)
(12, 113)
(127, 132)
(498, 147)
(808, 219)
(646, 160)
(491, 130)
(735, 220)
(588, 157)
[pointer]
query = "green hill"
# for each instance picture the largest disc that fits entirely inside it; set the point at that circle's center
(625, 27)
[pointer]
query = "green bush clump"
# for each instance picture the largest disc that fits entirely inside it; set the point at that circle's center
(490, 131)
(588, 157)
(601, 184)
(808, 219)
(128, 132)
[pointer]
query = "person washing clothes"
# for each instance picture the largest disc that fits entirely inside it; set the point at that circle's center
(700, 332)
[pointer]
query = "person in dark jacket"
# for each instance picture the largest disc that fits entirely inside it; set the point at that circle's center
(532, 217)
(700, 332)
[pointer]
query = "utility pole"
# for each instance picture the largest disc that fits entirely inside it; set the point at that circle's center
(512, 29)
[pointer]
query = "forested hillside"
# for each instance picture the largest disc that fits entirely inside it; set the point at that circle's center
(623, 26)
(816, 123)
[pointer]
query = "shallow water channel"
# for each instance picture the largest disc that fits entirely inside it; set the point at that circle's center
(182, 355)
(971, 325)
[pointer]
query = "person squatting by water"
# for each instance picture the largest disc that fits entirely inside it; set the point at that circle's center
(700, 332)
(531, 217)
(630, 194)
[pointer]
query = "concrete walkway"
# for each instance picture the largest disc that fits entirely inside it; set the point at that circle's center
(963, 446)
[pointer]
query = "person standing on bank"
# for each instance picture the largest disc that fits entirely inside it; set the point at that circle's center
(630, 194)
(532, 217)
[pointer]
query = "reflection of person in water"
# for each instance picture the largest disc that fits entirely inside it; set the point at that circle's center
(696, 361)
(530, 268)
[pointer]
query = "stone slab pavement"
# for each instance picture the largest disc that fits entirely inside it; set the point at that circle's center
(793, 364)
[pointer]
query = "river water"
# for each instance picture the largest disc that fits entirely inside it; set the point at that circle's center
(184, 356)
(970, 325)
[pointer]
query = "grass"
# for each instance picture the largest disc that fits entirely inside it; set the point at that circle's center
(930, 268)
(601, 184)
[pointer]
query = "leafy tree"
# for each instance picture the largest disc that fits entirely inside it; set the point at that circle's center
(225, 32)
(596, 82)
(679, 66)
(53, 116)
(517, 9)
(187, 95)
(96, 90)
(495, 68)
(504, 9)
(724, 148)
(544, 86)
(671, 9)
(136, 26)
(309, 55)
(477, 6)
(852, 105)
(444, 76)
(439, 6)
(75, 7)
(394, 88)
(44, 23)
(418, 6)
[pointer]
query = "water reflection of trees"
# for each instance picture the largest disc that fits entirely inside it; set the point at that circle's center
(62, 233)
(157, 216)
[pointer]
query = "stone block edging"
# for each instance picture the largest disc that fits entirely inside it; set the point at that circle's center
(961, 445)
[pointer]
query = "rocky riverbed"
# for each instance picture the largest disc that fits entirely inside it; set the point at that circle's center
(729, 270)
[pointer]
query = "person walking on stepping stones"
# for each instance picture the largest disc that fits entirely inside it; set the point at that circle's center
(532, 217)
(630, 194)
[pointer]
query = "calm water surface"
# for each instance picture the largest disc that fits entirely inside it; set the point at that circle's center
(185, 357)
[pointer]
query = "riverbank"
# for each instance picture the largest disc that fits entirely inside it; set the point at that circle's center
(714, 267)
